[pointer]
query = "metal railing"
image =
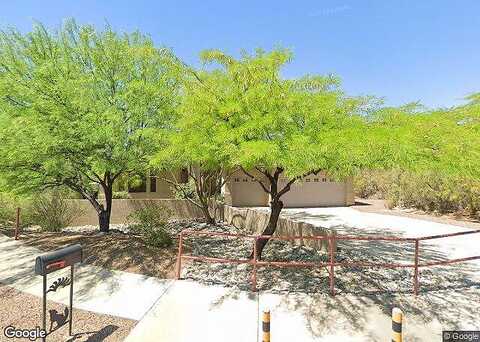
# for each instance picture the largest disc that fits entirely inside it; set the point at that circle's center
(330, 264)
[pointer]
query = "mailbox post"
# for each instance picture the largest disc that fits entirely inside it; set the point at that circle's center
(54, 261)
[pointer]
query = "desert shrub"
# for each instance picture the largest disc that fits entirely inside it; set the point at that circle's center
(427, 191)
(372, 184)
(121, 195)
(149, 220)
(8, 207)
(52, 211)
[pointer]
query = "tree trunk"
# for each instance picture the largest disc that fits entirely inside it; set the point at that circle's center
(105, 212)
(104, 221)
(206, 213)
(276, 206)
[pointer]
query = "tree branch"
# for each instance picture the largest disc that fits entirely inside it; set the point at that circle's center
(255, 179)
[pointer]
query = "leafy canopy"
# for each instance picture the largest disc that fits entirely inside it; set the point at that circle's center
(266, 121)
(77, 106)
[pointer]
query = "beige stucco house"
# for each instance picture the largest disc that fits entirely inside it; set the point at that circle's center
(312, 191)
(241, 191)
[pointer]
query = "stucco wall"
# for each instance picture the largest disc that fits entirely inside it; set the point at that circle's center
(255, 221)
(121, 208)
(242, 191)
(311, 191)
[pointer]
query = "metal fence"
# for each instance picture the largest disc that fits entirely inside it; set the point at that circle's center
(330, 265)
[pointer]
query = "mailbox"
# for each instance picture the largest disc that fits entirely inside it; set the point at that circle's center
(54, 261)
(61, 258)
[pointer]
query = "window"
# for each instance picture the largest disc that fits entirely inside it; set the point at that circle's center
(153, 184)
(315, 179)
(183, 176)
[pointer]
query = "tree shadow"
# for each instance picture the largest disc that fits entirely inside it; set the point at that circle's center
(95, 336)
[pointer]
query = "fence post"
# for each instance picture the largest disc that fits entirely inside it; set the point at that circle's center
(179, 257)
(397, 318)
(332, 260)
(17, 223)
(415, 276)
(266, 326)
(254, 264)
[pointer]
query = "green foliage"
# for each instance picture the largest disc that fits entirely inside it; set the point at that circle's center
(243, 113)
(7, 210)
(77, 106)
(8, 206)
(149, 220)
(121, 195)
(52, 211)
(426, 191)
(185, 190)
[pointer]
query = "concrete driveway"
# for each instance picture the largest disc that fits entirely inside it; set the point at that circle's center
(345, 220)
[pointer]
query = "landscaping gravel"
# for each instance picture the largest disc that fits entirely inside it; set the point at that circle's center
(23, 310)
(357, 280)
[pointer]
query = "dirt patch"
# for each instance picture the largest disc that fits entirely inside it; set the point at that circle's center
(114, 251)
(23, 311)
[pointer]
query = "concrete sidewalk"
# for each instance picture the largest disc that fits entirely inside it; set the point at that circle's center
(190, 311)
(96, 289)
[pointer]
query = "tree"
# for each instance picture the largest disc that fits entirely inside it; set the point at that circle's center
(286, 129)
(196, 144)
(77, 108)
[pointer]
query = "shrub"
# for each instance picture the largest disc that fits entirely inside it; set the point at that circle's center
(149, 220)
(52, 211)
(8, 207)
(428, 191)
(120, 195)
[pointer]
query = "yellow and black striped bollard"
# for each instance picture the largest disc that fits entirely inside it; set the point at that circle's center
(266, 326)
(397, 317)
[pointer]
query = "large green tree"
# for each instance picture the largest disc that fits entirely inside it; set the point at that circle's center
(77, 107)
(284, 129)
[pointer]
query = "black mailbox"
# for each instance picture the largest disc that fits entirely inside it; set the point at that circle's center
(50, 262)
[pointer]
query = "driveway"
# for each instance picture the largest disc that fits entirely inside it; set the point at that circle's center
(349, 221)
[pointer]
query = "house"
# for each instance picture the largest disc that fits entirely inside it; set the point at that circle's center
(311, 191)
(241, 191)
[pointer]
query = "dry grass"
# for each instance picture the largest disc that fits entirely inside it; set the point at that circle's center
(23, 310)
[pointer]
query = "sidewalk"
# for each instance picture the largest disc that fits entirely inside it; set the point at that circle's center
(96, 289)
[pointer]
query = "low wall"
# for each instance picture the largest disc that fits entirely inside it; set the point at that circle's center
(121, 208)
(255, 221)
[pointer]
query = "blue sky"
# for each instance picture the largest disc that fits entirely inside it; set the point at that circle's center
(403, 51)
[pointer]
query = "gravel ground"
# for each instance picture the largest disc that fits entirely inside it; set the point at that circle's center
(354, 280)
(23, 310)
